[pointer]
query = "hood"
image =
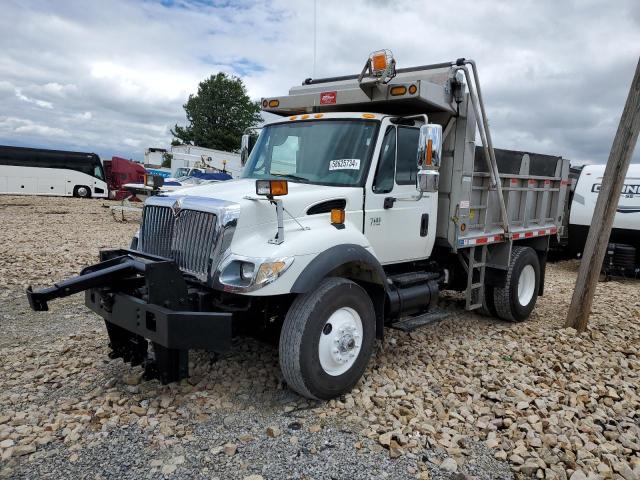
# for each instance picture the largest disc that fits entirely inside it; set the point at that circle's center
(301, 196)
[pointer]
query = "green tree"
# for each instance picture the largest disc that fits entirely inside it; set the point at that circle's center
(166, 160)
(218, 114)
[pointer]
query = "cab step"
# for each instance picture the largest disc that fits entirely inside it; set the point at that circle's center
(409, 324)
(412, 278)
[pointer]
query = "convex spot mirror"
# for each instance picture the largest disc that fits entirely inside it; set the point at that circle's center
(428, 181)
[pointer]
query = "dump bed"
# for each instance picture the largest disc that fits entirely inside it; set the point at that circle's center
(534, 187)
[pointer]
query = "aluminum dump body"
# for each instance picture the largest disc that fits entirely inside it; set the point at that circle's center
(534, 188)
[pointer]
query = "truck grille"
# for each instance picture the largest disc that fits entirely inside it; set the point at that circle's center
(188, 238)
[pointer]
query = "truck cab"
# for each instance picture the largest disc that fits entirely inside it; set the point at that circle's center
(356, 207)
(363, 162)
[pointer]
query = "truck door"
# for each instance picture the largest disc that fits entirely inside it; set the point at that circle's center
(398, 227)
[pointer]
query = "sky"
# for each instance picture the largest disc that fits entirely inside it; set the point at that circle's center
(111, 76)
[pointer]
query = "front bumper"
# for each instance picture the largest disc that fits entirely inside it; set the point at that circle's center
(160, 325)
(144, 298)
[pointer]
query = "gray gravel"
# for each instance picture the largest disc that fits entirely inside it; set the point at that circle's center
(312, 444)
(464, 398)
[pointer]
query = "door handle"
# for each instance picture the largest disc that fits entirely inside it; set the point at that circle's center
(424, 225)
(388, 202)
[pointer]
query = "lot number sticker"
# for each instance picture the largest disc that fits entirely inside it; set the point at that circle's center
(345, 164)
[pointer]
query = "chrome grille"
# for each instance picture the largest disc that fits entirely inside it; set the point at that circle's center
(156, 231)
(188, 238)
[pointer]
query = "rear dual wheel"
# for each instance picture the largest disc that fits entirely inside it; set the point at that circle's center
(327, 339)
(515, 300)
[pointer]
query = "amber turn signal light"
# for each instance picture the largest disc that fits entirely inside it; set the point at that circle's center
(272, 188)
(337, 216)
(429, 159)
(398, 90)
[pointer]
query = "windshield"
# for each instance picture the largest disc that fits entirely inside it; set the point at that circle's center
(327, 152)
(98, 172)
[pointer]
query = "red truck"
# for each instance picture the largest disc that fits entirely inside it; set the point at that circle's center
(120, 171)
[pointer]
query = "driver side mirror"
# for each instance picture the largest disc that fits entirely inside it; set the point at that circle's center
(430, 146)
(429, 156)
(244, 148)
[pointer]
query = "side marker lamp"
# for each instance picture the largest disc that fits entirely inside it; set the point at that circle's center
(337, 216)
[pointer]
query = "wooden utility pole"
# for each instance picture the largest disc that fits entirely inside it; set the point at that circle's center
(612, 182)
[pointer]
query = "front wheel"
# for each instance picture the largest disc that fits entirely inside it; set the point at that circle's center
(327, 339)
(515, 300)
(82, 191)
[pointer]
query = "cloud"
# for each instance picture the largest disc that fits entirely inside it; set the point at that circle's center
(84, 116)
(25, 127)
(40, 103)
(114, 75)
(131, 142)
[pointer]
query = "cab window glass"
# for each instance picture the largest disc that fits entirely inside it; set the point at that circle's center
(406, 169)
(284, 156)
(383, 182)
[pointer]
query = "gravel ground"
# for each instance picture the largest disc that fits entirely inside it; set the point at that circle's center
(465, 398)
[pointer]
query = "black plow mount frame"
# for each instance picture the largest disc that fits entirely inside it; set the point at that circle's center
(144, 298)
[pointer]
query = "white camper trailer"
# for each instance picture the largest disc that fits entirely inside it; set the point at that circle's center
(625, 235)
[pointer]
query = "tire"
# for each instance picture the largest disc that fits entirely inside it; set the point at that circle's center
(82, 191)
(488, 308)
(515, 301)
(309, 362)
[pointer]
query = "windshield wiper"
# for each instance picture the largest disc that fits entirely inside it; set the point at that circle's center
(288, 175)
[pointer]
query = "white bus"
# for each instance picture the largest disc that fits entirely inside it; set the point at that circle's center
(34, 171)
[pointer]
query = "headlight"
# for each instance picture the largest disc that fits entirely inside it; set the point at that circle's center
(246, 270)
(243, 274)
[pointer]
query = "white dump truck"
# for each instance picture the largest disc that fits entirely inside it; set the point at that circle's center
(356, 207)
